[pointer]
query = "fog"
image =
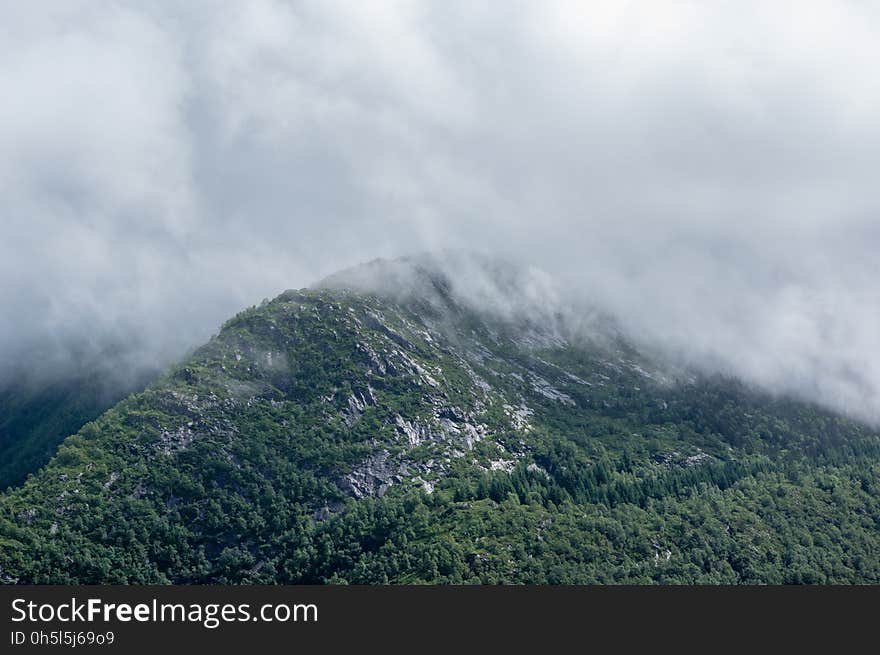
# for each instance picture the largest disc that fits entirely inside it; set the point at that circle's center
(706, 172)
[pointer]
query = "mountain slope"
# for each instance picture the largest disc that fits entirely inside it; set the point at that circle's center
(38, 412)
(432, 432)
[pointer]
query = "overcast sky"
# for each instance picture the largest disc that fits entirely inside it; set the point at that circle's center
(706, 170)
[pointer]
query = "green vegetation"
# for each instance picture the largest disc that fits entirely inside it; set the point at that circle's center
(36, 416)
(488, 461)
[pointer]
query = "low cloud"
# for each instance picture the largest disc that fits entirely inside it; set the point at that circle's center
(704, 172)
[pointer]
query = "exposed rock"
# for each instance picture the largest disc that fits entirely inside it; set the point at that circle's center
(179, 439)
(502, 464)
(543, 387)
(374, 476)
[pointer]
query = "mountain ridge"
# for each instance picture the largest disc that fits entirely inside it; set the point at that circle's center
(343, 435)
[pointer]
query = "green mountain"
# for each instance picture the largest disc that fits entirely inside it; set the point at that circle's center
(403, 423)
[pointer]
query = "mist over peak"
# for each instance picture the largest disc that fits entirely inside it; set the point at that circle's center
(481, 281)
(570, 307)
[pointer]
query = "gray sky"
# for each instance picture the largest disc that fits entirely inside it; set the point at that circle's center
(706, 170)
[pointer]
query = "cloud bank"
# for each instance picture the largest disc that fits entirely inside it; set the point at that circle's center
(705, 171)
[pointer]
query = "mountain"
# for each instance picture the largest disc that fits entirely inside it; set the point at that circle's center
(446, 419)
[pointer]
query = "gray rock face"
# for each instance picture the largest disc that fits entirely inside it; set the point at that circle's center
(373, 476)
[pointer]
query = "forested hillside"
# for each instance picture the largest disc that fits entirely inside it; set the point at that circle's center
(353, 436)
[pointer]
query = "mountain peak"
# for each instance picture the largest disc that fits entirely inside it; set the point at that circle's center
(467, 278)
(523, 300)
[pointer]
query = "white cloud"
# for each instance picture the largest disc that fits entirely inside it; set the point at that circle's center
(706, 170)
